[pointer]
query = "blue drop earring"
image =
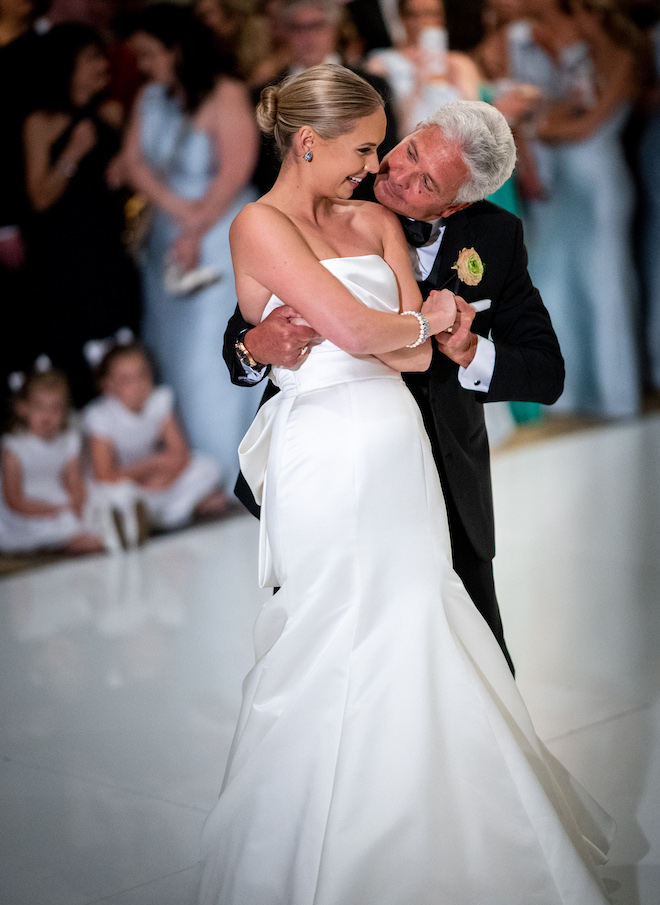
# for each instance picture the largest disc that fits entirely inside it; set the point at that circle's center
(308, 156)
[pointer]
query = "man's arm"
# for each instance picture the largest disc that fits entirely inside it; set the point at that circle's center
(277, 340)
(240, 372)
(521, 359)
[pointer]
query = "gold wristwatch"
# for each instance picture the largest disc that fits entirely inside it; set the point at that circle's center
(244, 356)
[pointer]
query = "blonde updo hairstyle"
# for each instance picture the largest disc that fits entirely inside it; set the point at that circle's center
(328, 98)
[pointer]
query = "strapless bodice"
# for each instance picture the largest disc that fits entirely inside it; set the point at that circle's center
(371, 281)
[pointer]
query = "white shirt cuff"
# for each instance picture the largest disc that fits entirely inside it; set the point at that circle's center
(253, 375)
(479, 373)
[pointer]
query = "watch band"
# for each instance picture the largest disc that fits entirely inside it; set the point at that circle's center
(245, 356)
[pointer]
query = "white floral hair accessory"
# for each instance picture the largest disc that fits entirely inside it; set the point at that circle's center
(95, 349)
(16, 380)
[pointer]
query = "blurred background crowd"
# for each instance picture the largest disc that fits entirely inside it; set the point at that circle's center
(129, 145)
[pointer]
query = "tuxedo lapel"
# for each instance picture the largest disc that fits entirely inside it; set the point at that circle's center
(456, 235)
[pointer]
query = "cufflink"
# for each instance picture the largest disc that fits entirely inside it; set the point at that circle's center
(477, 382)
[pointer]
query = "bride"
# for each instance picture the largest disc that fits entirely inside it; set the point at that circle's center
(383, 755)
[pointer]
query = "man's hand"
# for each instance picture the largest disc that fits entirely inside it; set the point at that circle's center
(461, 344)
(279, 340)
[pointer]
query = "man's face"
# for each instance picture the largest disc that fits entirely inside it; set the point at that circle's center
(310, 35)
(421, 176)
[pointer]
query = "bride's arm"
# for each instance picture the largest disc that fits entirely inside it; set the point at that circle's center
(271, 256)
(395, 252)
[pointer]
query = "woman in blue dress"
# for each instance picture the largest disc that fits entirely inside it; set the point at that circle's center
(190, 150)
(579, 234)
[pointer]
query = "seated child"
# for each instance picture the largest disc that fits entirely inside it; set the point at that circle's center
(45, 503)
(139, 456)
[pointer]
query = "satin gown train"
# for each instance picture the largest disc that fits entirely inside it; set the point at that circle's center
(383, 755)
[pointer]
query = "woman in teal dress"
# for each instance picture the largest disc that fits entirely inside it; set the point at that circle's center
(190, 150)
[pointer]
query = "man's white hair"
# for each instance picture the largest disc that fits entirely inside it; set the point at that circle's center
(486, 143)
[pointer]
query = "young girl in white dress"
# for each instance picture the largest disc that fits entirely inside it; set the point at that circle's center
(383, 755)
(140, 459)
(45, 504)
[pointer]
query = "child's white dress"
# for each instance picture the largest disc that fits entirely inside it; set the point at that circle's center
(136, 435)
(42, 462)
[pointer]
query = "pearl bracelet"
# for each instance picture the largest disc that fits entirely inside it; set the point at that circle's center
(423, 329)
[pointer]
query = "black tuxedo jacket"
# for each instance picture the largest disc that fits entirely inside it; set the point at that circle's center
(528, 363)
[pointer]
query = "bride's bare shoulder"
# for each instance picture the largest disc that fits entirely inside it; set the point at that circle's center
(258, 221)
(263, 237)
(255, 213)
(374, 213)
(375, 220)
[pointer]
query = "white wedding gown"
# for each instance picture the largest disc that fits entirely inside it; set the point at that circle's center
(383, 755)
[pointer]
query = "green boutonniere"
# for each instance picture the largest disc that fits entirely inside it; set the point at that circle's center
(469, 267)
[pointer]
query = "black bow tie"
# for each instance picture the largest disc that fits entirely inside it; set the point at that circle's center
(418, 232)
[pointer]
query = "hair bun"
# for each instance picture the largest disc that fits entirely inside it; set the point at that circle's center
(267, 109)
(327, 98)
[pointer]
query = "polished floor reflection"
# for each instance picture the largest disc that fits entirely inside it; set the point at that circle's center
(120, 677)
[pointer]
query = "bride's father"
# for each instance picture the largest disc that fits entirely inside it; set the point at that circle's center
(502, 345)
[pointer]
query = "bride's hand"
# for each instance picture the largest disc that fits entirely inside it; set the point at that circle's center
(439, 309)
(301, 322)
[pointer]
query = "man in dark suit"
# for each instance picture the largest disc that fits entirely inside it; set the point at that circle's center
(502, 345)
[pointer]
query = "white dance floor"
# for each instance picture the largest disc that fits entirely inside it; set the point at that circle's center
(120, 677)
